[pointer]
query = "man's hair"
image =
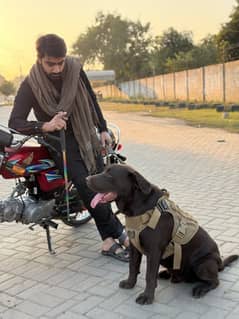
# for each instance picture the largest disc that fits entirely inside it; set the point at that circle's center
(50, 45)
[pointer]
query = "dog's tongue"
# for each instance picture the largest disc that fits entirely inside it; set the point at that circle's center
(102, 198)
(96, 200)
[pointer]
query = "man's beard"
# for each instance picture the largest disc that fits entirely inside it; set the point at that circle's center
(55, 76)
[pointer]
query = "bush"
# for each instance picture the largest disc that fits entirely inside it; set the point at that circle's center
(220, 108)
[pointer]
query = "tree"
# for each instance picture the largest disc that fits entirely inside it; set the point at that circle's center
(117, 44)
(228, 37)
(7, 88)
(205, 53)
(168, 46)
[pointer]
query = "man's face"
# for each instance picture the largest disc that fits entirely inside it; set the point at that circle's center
(53, 66)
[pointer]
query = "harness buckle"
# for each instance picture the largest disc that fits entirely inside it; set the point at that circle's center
(181, 231)
(180, 234)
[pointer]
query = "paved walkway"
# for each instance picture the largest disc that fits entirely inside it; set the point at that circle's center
(199, 167)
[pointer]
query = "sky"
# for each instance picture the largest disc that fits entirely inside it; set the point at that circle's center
(23, 21)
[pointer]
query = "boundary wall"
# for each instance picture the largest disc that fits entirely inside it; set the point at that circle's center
(212, 83)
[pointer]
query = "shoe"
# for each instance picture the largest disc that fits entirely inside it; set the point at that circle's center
(122, 255)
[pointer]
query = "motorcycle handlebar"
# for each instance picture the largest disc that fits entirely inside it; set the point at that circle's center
(18, 143)
(109, 151)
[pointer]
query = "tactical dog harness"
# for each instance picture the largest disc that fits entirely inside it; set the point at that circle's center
(185, 227)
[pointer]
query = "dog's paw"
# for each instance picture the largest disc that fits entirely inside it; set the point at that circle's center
(200, 291)
(164, 274)
(145, 299)
(127, 284)
(176, 279)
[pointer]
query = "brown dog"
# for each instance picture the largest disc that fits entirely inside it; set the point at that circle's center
(199, 259)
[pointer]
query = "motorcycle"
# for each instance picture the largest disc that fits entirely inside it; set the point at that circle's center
(40, 196)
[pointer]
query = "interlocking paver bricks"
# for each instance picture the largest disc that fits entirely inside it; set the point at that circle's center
(201, 173)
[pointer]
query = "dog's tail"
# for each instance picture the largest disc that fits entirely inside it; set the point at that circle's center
(227, 261)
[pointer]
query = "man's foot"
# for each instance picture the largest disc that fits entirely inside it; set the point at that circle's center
(124, 240)
(117, 252)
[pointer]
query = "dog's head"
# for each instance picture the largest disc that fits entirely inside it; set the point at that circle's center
(122, 184)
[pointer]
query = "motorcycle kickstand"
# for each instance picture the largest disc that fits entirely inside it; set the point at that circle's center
(46, 225)
(48, 236)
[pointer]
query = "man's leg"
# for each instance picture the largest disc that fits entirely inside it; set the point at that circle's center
(107, 223)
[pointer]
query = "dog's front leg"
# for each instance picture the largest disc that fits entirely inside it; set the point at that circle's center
(134, 268)
(153, 262)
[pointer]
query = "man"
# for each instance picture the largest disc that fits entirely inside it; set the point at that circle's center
(58, 91)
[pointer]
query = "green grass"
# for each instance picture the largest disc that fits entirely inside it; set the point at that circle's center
(203, 117)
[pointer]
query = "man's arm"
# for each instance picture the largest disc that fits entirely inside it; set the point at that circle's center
(23, 104)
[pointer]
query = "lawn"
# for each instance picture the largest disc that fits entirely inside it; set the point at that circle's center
(202, 117)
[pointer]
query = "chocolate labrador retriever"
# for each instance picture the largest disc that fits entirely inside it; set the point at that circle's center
(199, 259)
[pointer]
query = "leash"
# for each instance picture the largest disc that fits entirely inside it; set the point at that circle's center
(63, 149)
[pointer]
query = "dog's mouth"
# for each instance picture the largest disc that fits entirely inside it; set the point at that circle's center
(102, 198)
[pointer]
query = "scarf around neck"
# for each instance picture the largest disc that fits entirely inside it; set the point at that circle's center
(73, 99)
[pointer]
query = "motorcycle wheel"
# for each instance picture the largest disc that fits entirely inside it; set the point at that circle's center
(77, 218)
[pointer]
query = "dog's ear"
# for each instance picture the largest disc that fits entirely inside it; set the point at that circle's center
(142, 183)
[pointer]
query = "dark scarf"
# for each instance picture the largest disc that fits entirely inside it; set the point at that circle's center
(75, 100)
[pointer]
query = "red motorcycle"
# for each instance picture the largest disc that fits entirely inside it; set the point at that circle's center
(39, 196)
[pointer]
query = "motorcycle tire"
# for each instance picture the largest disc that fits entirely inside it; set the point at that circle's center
(77, 219)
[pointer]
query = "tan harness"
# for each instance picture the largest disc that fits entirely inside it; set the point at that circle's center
(185, 227)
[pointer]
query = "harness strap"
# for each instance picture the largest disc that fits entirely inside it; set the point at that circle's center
(154, 218)
(177, 256)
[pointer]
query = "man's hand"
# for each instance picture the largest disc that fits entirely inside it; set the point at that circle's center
(105, 139)
(57, 123)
